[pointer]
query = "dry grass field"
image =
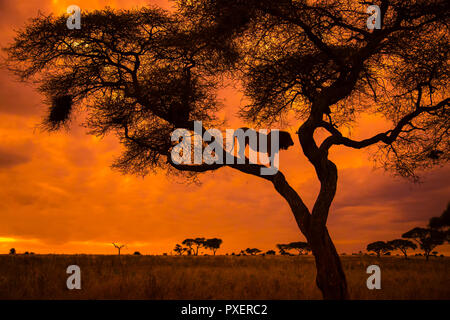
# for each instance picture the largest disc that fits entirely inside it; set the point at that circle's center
(208, 277)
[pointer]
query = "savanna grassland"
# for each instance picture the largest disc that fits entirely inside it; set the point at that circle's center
(219, 277)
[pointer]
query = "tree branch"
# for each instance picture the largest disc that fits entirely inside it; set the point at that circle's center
(387, 137)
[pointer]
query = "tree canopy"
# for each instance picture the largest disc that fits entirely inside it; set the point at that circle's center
(402, 245)
(427, 238)
(213, 244)
(300, 247)
(379, 247)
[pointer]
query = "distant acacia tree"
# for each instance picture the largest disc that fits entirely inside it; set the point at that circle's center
(198, 243)
(282, 248)
(213, 244)
(426, 238)
(179, 249)
(189, 243)
(140, 74)
(137, 253)
(270, 253)
(194, 245)
(379, 247)
(118, 247)
(12, 251)
(402, 245)
(252, 251)
(300, 247)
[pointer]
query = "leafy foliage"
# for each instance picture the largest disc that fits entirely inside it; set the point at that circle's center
(402, 245)
(379, 247)
(427, 238)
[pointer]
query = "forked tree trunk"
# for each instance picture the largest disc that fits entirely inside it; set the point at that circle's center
(330, 275)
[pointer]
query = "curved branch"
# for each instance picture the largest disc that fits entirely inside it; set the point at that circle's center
(298, 207)
(387, 137)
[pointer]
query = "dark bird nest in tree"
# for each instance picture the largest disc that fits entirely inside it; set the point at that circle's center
(59, 112)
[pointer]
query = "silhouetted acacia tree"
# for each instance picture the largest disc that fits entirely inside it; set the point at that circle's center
(213, 244)
(402, 245)
(379, 247)
(142, 73)
(198, 243)
(301, 247)
(252, 251)
(137, 253)
(318, 60)
(118, 247)
(12, 251)
(282, 248)
(179, 249)
(426, 238)
(270, 252)
(189, 243)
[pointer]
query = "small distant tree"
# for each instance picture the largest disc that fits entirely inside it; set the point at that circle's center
(179, 249)
(402, 245)
(12, 251)
(188, 243)
(213, 244)
(118, 247)
(282, 248)
(271, 252)
(253, 251)
(426, 238)
(137, 253)
(379, 247)
(198, 243)
(301, 247)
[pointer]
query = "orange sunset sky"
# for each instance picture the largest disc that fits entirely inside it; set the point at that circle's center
(59, 195)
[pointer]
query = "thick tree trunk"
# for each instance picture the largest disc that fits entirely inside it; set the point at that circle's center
(330, 276)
